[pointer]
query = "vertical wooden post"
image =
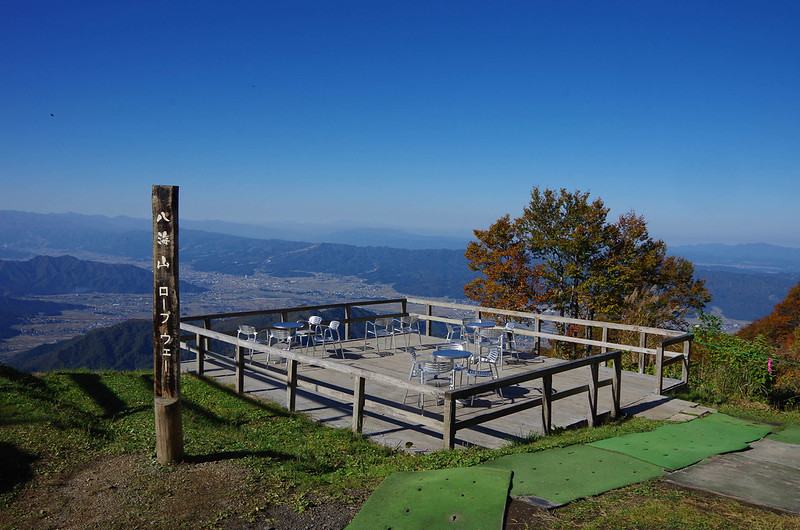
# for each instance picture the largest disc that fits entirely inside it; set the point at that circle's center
(200, 340)
(659, 369)
(239, 385)
(594, 368)
(587, 333)
(547, 403)
(429, 322)
(616, 382)
(604, 338)
(348, 314)
(687, 351)
(291, 384)
(642, 344)
(358, 404)
(449, 421)
(537, 326)
(166, 325)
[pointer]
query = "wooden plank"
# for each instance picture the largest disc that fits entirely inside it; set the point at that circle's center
(412, 418)
(298, 309)
(548, 318)
(498, 413)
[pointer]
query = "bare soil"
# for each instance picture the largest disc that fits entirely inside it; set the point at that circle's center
(131, 491)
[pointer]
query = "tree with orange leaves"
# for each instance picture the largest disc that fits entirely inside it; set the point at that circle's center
(562, 254)
(509, 281)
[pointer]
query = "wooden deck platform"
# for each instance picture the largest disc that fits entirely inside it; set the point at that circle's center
(637, 396)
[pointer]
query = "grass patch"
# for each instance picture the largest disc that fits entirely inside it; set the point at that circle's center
(268, 464)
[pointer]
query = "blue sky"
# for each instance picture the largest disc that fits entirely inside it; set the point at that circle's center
(432, 116)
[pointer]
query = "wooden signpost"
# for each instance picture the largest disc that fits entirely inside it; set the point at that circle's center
(166, 326)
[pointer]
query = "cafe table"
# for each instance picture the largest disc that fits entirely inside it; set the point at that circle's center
(474, 325)
(453, 355)
(287, 325)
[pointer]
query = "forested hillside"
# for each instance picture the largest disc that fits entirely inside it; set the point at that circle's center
(124, 346)
(781, 328)
(744, 296)
(14, 311)
(65, 274)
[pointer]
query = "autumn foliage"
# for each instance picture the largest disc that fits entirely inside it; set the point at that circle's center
(781, 330)
(562, 254)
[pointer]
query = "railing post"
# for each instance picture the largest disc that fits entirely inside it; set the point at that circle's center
(604, 338)
(687, 351)
(348, 313)
(358, 404)
(239, 369)
(291, 384)
(594, 368)
(203, 348)
(547, 403)
(537, 325)
(616, 382)
(659, 369)
(201, 353)
(429, 322)
(449, 423)
(587, 333)
(642, 344)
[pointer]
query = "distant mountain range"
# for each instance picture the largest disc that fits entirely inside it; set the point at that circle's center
(67, 275)
(746, 280)
(748, 258)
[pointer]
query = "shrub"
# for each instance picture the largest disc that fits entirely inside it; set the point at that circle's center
(731, 366)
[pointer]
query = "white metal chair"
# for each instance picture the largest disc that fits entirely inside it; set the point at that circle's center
(490, 338)
(430, 372)
(249, 334)
(380, 327)
(406, 326)
(460, 365)
(453, 333)
(312, 328)
(510, 339)
(414, 371)
(281, 336)
(330, 335)
(484, 367)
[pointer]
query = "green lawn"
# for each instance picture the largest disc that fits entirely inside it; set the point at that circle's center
(58, 422)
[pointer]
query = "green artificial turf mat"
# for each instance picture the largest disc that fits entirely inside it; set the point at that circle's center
(473, 497)
(682, 444)
(790, 435)
(565, 474)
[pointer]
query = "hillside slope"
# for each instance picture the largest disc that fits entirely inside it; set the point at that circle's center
(124, 346)
(66, 275)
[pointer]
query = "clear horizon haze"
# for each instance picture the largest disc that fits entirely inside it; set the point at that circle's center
(433, 117)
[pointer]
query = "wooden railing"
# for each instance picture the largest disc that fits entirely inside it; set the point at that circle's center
(662, 357)
(447, 423)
